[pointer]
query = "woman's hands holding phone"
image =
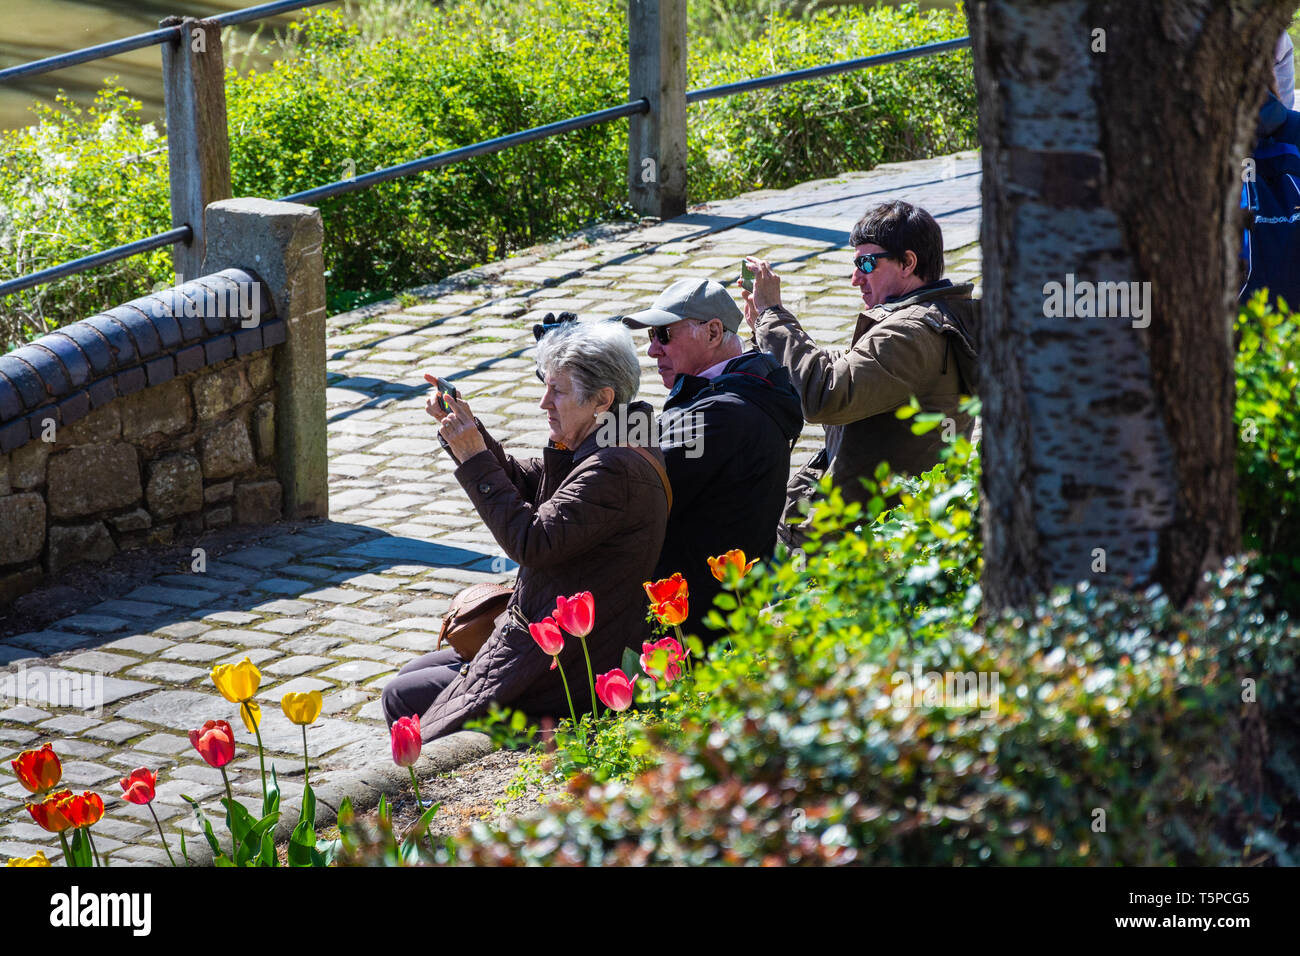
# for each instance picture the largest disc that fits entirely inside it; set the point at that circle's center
(456, 422)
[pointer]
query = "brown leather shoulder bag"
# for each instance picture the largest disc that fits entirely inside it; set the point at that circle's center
(471, 616)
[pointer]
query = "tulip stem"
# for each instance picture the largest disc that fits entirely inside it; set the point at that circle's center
(161, 835)
(94, 849)
(230, 815)
(567, 696)
(67, 853)
(261, 759)
(590, 679)
(686, 652)
(419, 807)
(306, 764)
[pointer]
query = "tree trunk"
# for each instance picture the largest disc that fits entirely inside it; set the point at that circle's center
(1112, 157)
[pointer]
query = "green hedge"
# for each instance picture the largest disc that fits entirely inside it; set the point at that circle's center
(459, 74)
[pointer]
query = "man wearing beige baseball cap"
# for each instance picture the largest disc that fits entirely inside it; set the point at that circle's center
(727, 429)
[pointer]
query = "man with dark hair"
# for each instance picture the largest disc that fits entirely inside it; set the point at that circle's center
(916, 338)
(727, 429)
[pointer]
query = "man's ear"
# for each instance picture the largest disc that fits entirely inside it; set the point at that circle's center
(909, 262)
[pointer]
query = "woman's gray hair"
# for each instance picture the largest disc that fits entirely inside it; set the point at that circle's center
(596, 355)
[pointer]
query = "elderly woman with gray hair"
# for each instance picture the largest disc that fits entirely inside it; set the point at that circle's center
(589, 515)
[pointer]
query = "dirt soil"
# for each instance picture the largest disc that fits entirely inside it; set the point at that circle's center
(467, 794)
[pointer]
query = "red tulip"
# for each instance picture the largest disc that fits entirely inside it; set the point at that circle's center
(733, 558)
(615, 690)
(139, 787)
(667, 589)
(665, 648)
(83, 810)
(51, 813)
(215, 742)
(38, 770)
(576, 614)
(406, 741)
(548, 637)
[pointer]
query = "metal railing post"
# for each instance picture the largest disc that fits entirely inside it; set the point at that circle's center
(656, 141)
(198, 143)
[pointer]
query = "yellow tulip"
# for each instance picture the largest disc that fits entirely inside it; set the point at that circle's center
(237, 682)
(255, 721)
(302, 708)
(37, 860)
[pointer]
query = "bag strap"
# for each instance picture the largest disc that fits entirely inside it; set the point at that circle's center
(659, 470)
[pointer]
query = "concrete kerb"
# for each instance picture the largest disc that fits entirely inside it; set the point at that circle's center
(363, 786)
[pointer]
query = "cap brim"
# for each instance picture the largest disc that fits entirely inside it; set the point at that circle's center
(648, 317)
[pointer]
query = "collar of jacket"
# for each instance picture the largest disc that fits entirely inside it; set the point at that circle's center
(755, 364)
(565, 459)
(934, 292)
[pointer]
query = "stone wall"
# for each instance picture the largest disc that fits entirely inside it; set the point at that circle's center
(195, 453)
(195, 408)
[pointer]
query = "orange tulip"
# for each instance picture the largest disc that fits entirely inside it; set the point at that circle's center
(733, 558)
(51, 814)
(672, 612)
(84, 810)
(666, 589)
(38, 770)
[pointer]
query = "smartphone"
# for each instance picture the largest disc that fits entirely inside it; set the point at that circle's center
(445, 388)
(746, 276)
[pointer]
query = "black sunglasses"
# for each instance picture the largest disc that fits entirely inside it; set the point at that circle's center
(663, 333)
(867, 261)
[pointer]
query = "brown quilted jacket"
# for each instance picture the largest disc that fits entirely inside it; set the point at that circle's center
(918, 345)
(590, 519)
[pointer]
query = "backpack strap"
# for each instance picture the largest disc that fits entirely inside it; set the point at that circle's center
(659, 470)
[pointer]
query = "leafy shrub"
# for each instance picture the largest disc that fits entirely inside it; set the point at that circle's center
(1268, 446)
(1122, 730)
(341, 101)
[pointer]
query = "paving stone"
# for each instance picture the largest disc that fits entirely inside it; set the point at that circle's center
(175, 791)
(425, 606)
(130, 760)
(146, 856)
(94, 623)
(177, 709)
(258, 655)
(334, 596)
(358, 632)
(165, 811)
(50, 642)
(116, 731)
(24, 714)
(374, 652)
(356, 671)
(373, 710)
(82, 749)
(98, 661)
(298, 664)
(11, 655)
(287, 625)
(299, 685)
(197, 653)
(68, 724)
(237, 618)
(183, 629)
(140, 643)
(344, 699)
(176, 597)
(14, 848)
(239, 637)
(119, 829)
(285, 607)
(285, 586)
(131, 609)
(200, 772)
(82, 773)
(420, 641)
(312, 644)
(168, 672)
(14, 735)
(164, 744)
(354, 614)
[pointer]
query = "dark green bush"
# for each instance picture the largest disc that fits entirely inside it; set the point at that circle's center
(341, 102)
(1124, 731)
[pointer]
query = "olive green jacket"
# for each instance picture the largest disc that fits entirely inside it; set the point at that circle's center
(923, 345)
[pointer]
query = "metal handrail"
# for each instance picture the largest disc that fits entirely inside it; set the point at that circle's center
(95, 260)
(152, 38)
(813, 72)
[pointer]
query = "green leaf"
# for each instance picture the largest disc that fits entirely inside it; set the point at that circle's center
(384, 812)
(303, 838)
(79, 853)
(325, 852)
(268, 855)
(725, 601)
(252, 842)
(207, 827)
(632, 663)
(238, 820)
(271, 803)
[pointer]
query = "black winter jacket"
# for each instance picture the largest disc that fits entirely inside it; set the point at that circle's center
(726, 444)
